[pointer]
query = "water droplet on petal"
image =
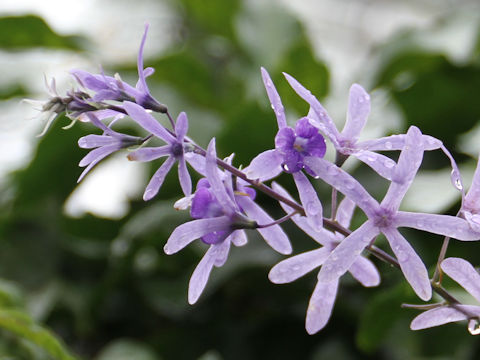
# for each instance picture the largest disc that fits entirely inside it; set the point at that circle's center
(420, 224)
(272, 106)
(388, 145)
(296, 267)
(285, 167)
(371, 158)
(312, 208)
(402, 256)
(474, 327)
(350, 184)
(389, 164)
(455, 177)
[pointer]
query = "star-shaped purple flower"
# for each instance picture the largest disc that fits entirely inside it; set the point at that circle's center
(323, 298)
(221, 215)
(104, 145)
(386, 218)
(465, 274)
(291, 148)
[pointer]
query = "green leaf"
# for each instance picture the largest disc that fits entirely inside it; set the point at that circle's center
(125, 349)
(23, 32)
(22, 325)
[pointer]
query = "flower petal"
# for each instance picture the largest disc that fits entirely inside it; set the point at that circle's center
(184, 177)
(157, 179)
(142, 84)
(181, 126)
(296, 266)
(274, 98)
(196, 161)
(397, 142)
(345, 254)
(320, 306)
(149, 153)
(273, 235)
(309, 198)
(345, 212)
(265, 166)
(343, 182)
(463, 273)
(93, 141)
(185, 233)
(412, 266)
(382, 164)
(357, 113)
(437, 316)
(239, 238)
(446, 225)
(94, 157)
(365, 272)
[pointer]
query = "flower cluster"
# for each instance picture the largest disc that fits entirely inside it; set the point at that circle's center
(223, 206)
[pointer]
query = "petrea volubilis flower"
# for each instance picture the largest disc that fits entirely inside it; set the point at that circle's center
(346, 142)
(220, 220)
(465, 274)
(323, 297)
(174, 150)
(291, 148)
(386, 218)
(471, 203)
(104, 145)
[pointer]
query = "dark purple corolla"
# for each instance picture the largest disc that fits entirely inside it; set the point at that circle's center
(221, 214)
(291, 148)
(104, 145)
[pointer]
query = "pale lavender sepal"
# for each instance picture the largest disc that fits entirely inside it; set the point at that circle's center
(149, 153)
(142, 84)
(196, 161)
(437, 316)
(296, 266)
(365, 272)
(321, 115)
(184, 177)
(309, 198)
(273, 235)
(405, 170)
(239, 238)
(357, 113)
(412, 266)
(463, 273)
(181, 126)
(93, 141)
(95, 157)
(222, 252)
(147, 121)
(382, 164)
(200, 275)
(216, 184)
(320, 306)
(184, 234)
(446, 225)
(274, 98)
(472, 199)
(343, 182)
(157, 179)
(472, 219)
(265, 166)
(345, 212)
(345, 254)
(397, 142)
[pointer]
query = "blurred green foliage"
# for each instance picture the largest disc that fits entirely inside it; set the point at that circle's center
(106, 288)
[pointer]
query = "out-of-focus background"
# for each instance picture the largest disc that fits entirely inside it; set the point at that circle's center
(82, 271)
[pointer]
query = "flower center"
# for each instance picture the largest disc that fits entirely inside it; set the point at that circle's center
(177, 149)
(383, 218)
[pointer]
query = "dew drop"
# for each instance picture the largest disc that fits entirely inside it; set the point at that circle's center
(371, 158)
(361, 99)
(296, 267)
(272, 106)
(402, 256)
(455, 177)
(474, 327)
(389, 164)
(350, 184)
(285, 167)
(420, 224)
(388, 145)
(312, 208)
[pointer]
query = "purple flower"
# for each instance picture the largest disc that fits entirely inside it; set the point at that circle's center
(107, 143)
(465, 274)
(346, 142)
(113, 88)
(174, 150)
(323, 297)
(221, 215)
(291, 148)
(386, 218)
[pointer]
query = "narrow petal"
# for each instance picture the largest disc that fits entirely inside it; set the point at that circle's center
(463, 273)
(157, 179)
(347, 252)
(472, 199)
(345, 212)
(181, 126)
(265, 166)
(222, 249)
(446, 225)
(406, 169)
(397, 142)
(93, 141)
(412, 266)
(184, 177)
(382, 164)
(200, 275)
(184, 234)
(239, 238)
(141, 75)
(309, 198)
(217, 185)
(365, 272)
(296, 266)
(273, 235)
(274, 98)
(88, 80)
(343, 182)
(196, 161)
(93, 159)
(147, 121)
(357, 113)
(149, 153)
(321, 117)
(435, 317)
(320, 306)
